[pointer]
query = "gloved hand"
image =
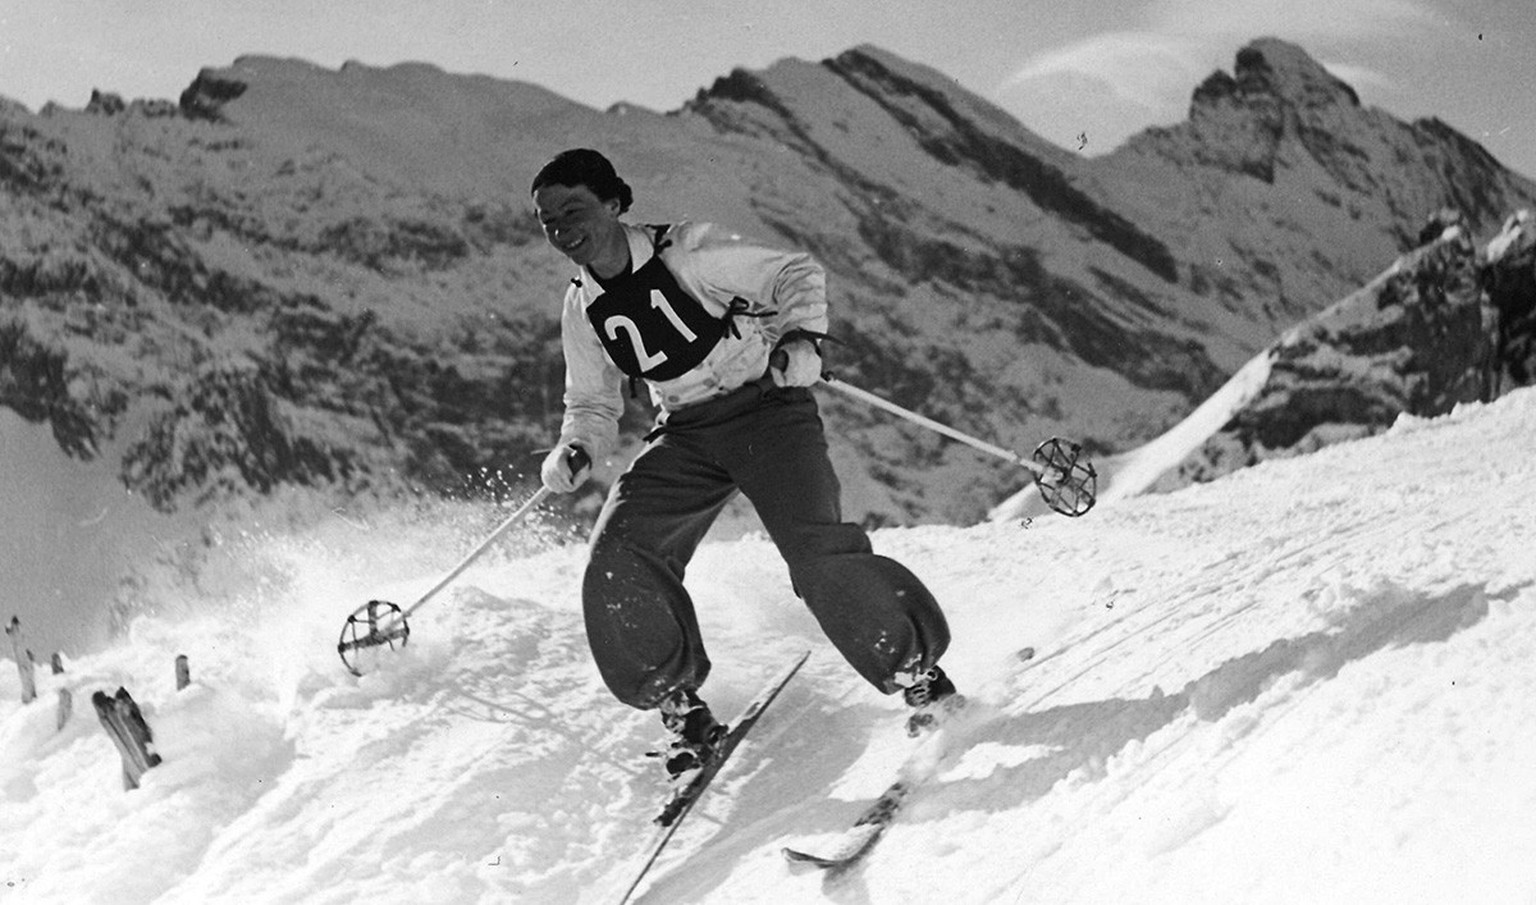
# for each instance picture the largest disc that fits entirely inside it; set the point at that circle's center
(566, 468)
(795, 364)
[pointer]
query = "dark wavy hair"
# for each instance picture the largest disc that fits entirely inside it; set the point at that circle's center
(584, 166)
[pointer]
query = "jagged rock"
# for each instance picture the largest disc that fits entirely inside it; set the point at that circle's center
(1270, 68)
(39, 384)
(226, 433)
(1509, 277)
(206, 96)
(1418, 341)
(105, 103)
(1242, 118)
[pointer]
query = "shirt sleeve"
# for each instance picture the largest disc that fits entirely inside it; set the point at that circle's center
(594, 398)
(790, 284)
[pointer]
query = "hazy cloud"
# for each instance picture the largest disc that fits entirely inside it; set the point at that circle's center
(1148, 71)
(1139, 67)
(1360, 76)
(1183, 40)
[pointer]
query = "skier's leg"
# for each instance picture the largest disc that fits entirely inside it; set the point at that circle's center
(640, 620)
(879, 615)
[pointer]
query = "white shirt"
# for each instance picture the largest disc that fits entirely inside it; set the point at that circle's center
(787, 290)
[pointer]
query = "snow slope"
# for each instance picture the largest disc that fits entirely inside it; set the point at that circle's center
(1308, 682)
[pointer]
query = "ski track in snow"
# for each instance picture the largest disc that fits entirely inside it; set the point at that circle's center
(1307, 682)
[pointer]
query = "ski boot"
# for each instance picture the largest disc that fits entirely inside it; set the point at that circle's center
(932, 696)
(695, 733)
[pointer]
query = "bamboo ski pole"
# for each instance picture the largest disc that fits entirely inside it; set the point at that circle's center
(379, 623)
(476, 553)
(1066, 480)
(848, 389)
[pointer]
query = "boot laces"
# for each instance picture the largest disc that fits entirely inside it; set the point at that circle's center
(695, 732)
(930, 686)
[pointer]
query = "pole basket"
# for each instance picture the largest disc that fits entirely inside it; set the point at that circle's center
(1067, 481)
(375, 624)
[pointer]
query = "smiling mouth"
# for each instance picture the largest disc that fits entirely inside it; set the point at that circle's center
(573, 246)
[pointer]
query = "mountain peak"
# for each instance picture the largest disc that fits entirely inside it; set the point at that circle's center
(916, 72)
(1269, 68)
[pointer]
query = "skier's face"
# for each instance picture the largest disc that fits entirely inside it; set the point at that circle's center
(582, 226)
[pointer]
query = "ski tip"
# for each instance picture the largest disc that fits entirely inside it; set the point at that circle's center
(849, 846)
(795, 856)
(829, 862)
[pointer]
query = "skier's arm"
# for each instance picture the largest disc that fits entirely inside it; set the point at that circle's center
(593, 394)
(790, 284)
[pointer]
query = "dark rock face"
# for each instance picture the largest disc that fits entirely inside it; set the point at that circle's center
(1275, 90)
(36, 381)
(1421, 339)
(207, 95)
(961, 141)
(1509, 278)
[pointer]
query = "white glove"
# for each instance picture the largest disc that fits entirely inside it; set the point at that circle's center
(795, 364)
(566, 468)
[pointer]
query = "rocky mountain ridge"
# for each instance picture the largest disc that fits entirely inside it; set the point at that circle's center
(1448, 323)
(294, 275)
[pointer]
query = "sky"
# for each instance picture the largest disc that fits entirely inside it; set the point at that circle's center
(1082, 73)
(1308, 682)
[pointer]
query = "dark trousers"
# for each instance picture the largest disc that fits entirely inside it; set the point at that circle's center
(767, 443)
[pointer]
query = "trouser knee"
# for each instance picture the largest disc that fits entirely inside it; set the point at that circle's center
(640, 624)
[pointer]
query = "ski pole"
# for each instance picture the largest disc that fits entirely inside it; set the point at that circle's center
(1067, 482)
(386, 623)
(476, 553)
(848, 389)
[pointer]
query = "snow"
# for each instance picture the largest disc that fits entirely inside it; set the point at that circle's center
(1308, 682)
